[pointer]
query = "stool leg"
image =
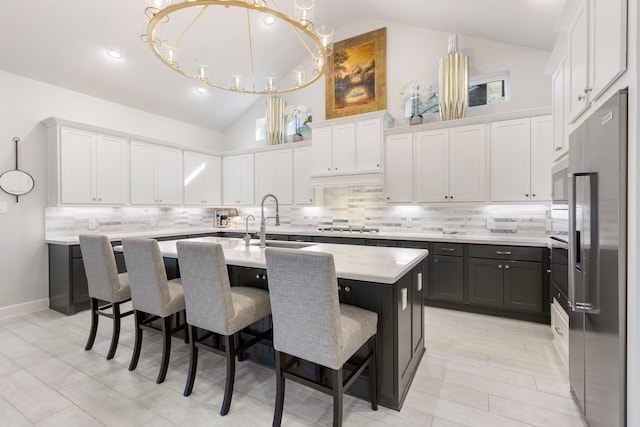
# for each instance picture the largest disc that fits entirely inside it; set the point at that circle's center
(186, 327)
(116, 330)
(373, 378)
(166, 349)
(231, 373)
(277, 414)
(193, 361)
(138, 341)
(94, 324)
(337, 397)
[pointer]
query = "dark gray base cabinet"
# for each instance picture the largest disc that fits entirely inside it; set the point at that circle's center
(447, 278)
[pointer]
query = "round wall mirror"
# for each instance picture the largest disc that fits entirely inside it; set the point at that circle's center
(16, 182)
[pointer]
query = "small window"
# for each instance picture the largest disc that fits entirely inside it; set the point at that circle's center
(483, 90)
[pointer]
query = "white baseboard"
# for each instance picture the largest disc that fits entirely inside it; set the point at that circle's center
(24, 308)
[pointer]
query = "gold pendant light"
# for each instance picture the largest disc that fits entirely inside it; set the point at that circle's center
(453, 81)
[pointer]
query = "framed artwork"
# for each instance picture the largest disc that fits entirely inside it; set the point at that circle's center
(357, 75)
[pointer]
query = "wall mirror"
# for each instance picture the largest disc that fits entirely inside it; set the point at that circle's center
(16, 182)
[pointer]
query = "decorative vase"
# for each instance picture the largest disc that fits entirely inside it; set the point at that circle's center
(453, 80)
(296, 137)
(416, 119)
(275, 120)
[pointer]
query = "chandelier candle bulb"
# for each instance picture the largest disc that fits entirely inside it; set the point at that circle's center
(299, 75)
(236, 81)
(304, 12)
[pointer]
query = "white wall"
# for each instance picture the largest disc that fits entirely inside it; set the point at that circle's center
(413, 53)
(23, 104)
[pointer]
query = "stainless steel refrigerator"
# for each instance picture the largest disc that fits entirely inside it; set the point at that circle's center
(597, 263)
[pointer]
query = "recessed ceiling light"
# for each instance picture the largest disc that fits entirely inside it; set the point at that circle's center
(115, 52)
(201, 89)
(269, 19)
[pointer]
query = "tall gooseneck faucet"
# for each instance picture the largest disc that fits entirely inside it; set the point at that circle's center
(263, 235)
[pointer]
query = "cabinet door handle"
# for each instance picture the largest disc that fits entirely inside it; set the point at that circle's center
(446, 197)
(506, 266)
(499, 265)
(435, 260)
(526, 195)
(447, 249)
(451, 197)
(378, 165)
(328, 169)
(533, 195)
(581, 97)
(503, 252)
(347, 288)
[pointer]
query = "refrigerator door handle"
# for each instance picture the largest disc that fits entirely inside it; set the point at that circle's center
(580, 261)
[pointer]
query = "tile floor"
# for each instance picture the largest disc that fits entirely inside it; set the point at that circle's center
(477, 371)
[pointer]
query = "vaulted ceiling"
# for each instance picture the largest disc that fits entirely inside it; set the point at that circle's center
(63, 42)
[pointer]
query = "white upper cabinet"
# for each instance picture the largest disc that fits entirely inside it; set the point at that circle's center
(237, 180)
(398, 170)
(608, 40)
(511, 160)
(579, 62)
(93, 168)
(541, 157)
(349, 151)
(303, 193)
(156, 174)
(432, 165)
(202, 179)
(274, 175)
(450, 164)
(521, 154)
(368, 145)
(559, 101)
(597, 51)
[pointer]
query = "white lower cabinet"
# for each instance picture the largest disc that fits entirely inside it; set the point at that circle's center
(156, 174)
(303, 193)
(450, 164)
(237, 180)
(560, 331)
(521, 153)
(202, 179)
(274, 175)
(93, 168)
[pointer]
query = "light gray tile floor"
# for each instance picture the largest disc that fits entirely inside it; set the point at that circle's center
(477, 371)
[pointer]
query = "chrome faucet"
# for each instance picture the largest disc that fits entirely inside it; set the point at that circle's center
(263, 220)
(247, 236)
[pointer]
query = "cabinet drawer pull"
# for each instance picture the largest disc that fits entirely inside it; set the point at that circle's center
(506, 266)
(499, 265)
(503, 252)
(347, 288)
(435, 260)
(448, 249)
(558, 331)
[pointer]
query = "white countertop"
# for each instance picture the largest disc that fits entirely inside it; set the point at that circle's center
(490, 239)
(366, 263)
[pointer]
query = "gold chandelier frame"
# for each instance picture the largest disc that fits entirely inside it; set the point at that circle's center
(318, 51)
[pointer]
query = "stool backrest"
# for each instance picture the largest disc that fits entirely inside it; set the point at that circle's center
(303, 289)
(147, 275)
(100, 266)
(205, 280)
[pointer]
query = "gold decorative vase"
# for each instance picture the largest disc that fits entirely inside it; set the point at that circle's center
(275, 120)
(453, 80)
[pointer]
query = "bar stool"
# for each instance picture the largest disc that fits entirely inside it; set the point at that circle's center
(104, 284)
(310, 324)
(213, 305)
(152, 294)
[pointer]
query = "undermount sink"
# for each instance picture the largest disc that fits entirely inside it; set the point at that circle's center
(282, 244)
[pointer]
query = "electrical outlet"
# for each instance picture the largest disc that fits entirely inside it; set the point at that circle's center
(93, 224)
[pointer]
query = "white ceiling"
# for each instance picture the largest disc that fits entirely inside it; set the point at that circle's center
(63, 42)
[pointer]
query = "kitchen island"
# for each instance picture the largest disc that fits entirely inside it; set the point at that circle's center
(388, 281)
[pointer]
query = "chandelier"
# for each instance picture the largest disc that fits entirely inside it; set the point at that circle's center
(232, 44)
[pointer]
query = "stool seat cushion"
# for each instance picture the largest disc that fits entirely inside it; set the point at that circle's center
(358, 325)
(176, 297)
(249, 305)
(124, 291)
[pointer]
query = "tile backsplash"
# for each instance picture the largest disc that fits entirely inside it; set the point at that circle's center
(348, 206)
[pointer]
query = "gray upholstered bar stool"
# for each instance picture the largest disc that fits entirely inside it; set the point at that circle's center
(105, 284)
(213, 305)
(152, 294)
(309, 323)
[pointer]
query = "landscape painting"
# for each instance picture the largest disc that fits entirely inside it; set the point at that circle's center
(356, 75)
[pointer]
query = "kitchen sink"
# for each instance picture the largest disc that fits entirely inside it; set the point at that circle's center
(282, 244)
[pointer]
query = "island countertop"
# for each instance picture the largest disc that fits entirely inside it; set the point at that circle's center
(366, 263)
